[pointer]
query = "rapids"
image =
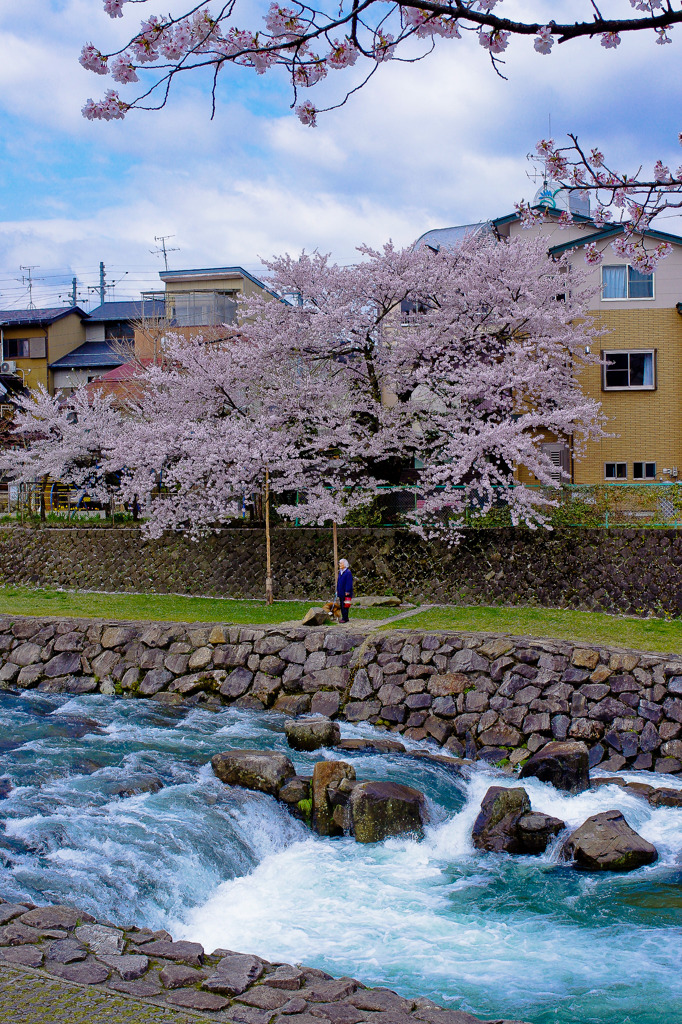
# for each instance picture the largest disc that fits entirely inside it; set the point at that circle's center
(498, 936)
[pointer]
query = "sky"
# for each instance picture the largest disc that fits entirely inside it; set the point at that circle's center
(440, 142)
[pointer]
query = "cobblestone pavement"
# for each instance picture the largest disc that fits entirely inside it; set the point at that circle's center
(27, 997)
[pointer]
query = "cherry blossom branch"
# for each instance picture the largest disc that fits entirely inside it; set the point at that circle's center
(309, 43)
(625, 204)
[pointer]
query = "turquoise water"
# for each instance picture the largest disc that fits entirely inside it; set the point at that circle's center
(497, 936)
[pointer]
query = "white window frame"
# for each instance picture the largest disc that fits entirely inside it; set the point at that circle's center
(616, 463)
(643, 463)
(628, 351)
(627, 298)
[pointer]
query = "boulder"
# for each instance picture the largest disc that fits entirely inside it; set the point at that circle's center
(376, 602)
(605, 842)
(564, 764)
(315, 617)
(495, 828)
(375, 746)
(536, 831)
(382, 809)
(327, 774)
(312, 733)
(263, 770)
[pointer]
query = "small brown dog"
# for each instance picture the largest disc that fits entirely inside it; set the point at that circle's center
(333, 608)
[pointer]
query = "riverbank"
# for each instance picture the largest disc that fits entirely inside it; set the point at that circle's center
(67, 944)
(497, 698)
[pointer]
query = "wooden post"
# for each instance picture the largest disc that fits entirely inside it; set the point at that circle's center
(268, 563)
(336, 554)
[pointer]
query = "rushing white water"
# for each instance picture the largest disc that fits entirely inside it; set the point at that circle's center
(526, 937)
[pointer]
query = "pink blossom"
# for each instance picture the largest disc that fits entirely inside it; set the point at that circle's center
(111, 108)
(661, 172)
(602, 216)
(447, 28)
(610, 40)
(307, 113)
(343, 55)
(623, 248)
(114, 8)
(383, 48)
(662, 36)
(282, 21)
(565, 219)
(310, 74)
(496, 40)
(544, 40)
(123, 71)
(593, 256)
(93, 60)
(596, 157)
(545, 147)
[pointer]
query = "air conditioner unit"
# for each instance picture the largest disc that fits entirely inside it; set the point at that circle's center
(9, 366)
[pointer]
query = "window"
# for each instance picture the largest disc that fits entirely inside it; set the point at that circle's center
(24, 348)
(16, 348)
(644, 470)
(615, 470)
(624, 282)
(635, 369)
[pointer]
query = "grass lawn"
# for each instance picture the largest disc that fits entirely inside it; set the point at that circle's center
(662, 635)
(157, 607)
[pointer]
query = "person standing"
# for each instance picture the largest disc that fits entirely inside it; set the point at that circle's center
(344, 588)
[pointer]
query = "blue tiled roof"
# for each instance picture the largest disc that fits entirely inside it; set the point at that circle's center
(128, 310)
(91, 354)
(20, 317)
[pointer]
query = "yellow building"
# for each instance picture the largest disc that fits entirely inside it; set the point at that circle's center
(203, 298)
(32, 339)
(640, 372)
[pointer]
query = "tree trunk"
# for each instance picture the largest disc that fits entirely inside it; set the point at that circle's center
(336, 555)
(268, 563)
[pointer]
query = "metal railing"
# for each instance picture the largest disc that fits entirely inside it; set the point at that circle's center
(595, 506)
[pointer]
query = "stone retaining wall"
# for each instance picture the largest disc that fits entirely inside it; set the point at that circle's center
(632, 571)
(492, 697)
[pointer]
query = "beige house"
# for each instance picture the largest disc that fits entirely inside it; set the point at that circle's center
(641, 369)
(204, 298)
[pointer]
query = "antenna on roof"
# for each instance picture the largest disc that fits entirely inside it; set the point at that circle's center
(28, 279)
(163, 248)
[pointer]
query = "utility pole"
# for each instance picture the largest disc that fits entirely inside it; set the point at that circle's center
(102, 283)
(74, 289)
(27, 278)
(163, 248)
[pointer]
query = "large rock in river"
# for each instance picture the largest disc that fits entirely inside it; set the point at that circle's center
(495, 827)
(382, 809)
(312, 733)
(605, 842)
(506, 824)
(264, 770)
(327, 774)
(565, 765)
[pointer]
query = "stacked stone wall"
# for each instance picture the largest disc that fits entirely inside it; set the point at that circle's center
(620, 570)
(498, 698)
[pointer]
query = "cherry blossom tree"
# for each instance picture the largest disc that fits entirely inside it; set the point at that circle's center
(460, 362)
(69, 441)
(481, 364)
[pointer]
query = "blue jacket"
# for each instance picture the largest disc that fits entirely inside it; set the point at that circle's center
(344, 584)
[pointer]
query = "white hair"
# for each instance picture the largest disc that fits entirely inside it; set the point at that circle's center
(344, 563)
